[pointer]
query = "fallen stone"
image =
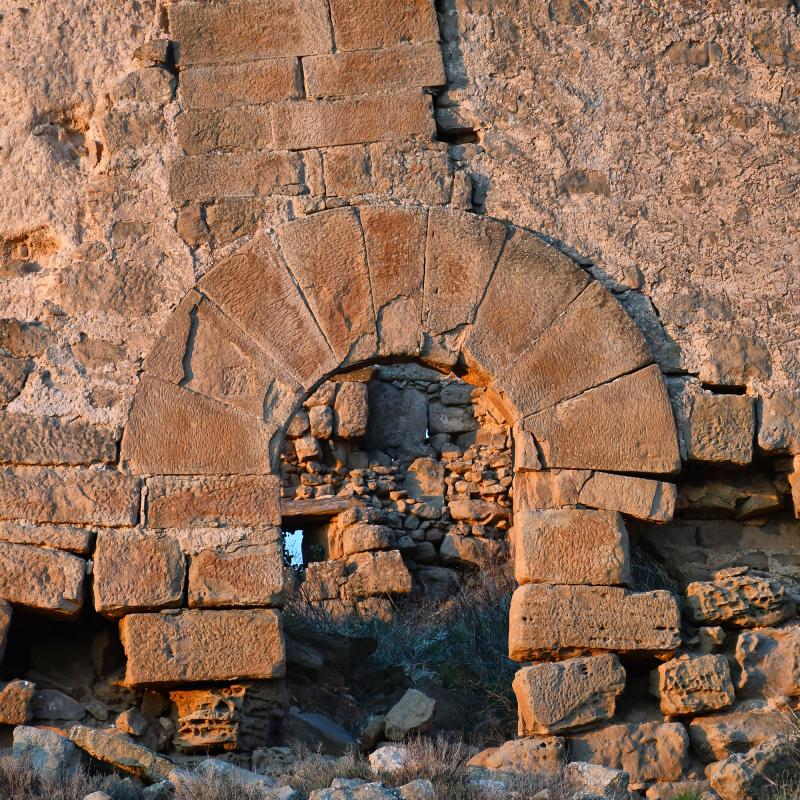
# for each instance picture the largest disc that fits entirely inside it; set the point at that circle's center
(389, 758)
(419, 789)
(740, 598)
(693, 685)
(547, 621)
(118, 750)
(132, 722)
(648, 752)
(472, 552)
(596, 781)
(16, 702)
(413, 713)
(553, 698)
(767, 661)
(215, 769)
(51, 704)
(536, 754)
(98, 796)
(379, 573)
(569, 546)
(318, 732)
(52, 755)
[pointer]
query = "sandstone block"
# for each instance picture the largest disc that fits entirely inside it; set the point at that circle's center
(258, 293)
(235, 175)
(591, 343)
(121, 752)
(82, 496)
(635, 497)
(779, 423)
(50, 440)
(498, 338)
(227, 130)
(549, 621)
(595, 781)
(534, 754)
(375, 574)
(553, 698)
(304, 124)
(372, 24)
(175, 502)
(365, 71)
(174, 431)
(648, 751)
(395, 243)
(480, 512)
(245, 30)
(194, 646)
(249, 574)
(461, 253)
(622, 426)
(413, 713)
(351, 410)
(325, 253)
(60, 537)
(321, 422)
(51, 754)
(472, 552)
(137, 571)
(739, 598)
(721, 428)
(253, 83)
(717, 736)
(693, 685)
(48, 580)
(13, 373)
(768, 662)
(5, 624)
(16, 702)
(364, 537)
(571, 546)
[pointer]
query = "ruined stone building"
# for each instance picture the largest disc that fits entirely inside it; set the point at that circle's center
(344, 302)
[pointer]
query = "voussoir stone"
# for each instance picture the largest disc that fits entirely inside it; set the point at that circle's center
(693, 685)
(768, 662)
(549, 621)
(571, 546)
(622, 426)
(200, 646)
(740, 598)
(36, 577)
(558, 697)
(137, 571)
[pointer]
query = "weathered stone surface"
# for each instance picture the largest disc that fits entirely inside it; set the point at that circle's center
(235, 175)
(693, 685)
(548, 621)
(373, 24)
(351, 410)
(364, 537)
(256, 291)
(721, 428)
(697, 790)
(245, 30)
(216, 771)
(224, 130)
(5, 623)
(304, 124)
(757, 772)
(739, 598)
(395, 242)
(39, 578)
(591, 343)
(52, 755)
(375, 574)
(636, 497)
(374, 70)
(253, 83)
(321, 421)
(175, 502)
(716, 736)
(596, 781)
(412, 713)
(50, 440)
(175, 431)
(241, 575)
(51, 704)
(571, 546)
(534, 754)
(631, 424)
(779, 422)
(325, 253)
(137, 571)
(60, 537)
(82, 496)
(472, 552)
(769, 662)
(121, 752)
(16, 702)
(647, 752)
(462, 250)
(450, 419)
(794, 483)
(559, 697)
(318, 732)
(194, 646)
(499, 337)
(13, 372)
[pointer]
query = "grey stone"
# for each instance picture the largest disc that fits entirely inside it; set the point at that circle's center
(52, 704)
(317, 732)
(52, 756)
(413, 713)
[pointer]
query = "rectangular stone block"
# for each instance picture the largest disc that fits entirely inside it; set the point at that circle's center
(571, 546)
(253, 83)
(6, 611)
(59, 537)
(549, 621)
(241, 175)
(35, 577)
(303, 124)
(245, 30)
(137, 571)
(229, 130)
(693, 685)
(174, 502)
(203, 646)
(721, 428)
(365, 71)
(369, 24)
(51, 440)
(245, 574)
(79, 496)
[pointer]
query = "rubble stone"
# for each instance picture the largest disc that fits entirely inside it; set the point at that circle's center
(51, 754)
(375, 574)
(351, 410)
(534, 754)
(16, 702)
(767, 661)
(596, 781)
(413, 713)
(693, 685)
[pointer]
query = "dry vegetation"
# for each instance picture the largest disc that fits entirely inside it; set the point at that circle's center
(19, 781)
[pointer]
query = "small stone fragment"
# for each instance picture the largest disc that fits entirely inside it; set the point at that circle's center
(389, 758)
(413, 713)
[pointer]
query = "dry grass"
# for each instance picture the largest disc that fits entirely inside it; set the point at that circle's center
(19, 781)
(205, 786)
